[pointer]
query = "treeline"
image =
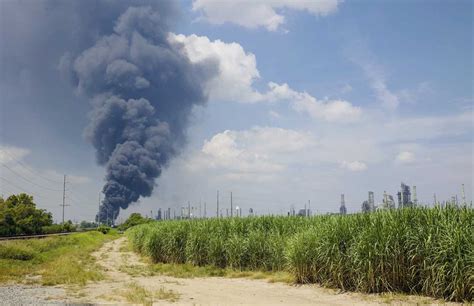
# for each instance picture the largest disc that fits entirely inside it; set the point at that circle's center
(19, 216)
(426, 251)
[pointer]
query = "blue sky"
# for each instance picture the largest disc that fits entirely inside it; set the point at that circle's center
(312, 100)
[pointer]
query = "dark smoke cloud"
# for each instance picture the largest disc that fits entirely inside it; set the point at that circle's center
(142, 89)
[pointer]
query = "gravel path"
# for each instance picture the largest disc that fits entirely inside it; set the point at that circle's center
(189, 291)
(32, 295)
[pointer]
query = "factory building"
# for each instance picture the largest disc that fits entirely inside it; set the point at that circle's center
(404, 196)
(304, 212)
(369, 205)
(342, 209)
(388, 201)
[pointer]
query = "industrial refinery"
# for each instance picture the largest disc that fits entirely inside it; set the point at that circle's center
(406, 197)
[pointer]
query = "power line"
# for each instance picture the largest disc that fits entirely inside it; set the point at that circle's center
(79, 196)
(36, 173)
(28, 180)
(30, 169)
(23, 189)
(4, 190)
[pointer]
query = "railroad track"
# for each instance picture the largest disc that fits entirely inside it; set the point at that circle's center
(35, 236)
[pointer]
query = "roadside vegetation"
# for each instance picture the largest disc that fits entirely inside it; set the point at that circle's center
(19, 216)
(52, 260)
(137, 294)
(188, 270)
(132, 220)
(427, 251)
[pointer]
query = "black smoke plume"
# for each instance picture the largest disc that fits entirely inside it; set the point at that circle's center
(142, 90)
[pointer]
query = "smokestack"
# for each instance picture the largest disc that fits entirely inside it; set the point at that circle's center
(142, 89)
(415, 200)
(371, 201)
(342, 209)
(463, 195)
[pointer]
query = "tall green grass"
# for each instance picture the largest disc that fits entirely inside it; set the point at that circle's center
(56, 260)
(426, 251)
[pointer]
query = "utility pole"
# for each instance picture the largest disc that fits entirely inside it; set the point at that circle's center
(64, 195)
(231, 210)
(309, 208)
(205, 211)
(98, 213)
(463, 195)
(217, 213)
(189, 210)
(415, 200)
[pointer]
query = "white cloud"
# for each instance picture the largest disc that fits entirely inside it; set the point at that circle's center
(257, 152)
(428, 127)
(274, 114)
(405, 157)
(237, 68)
(238, 72)
(329, 110)
(379, 84)
(346, 88)
(359, 53)
(9, 154)
(355, 166)
(422, 90)
(259, 13)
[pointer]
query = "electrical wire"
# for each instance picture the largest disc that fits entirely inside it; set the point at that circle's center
(28, 180)
(30, 169)
(23, 189)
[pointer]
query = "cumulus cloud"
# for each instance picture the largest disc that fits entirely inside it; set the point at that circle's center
(237, 69)
(405, 157)
(237, 72)
(9, 154)
(355, 166)
(258, 152)
(273, 114)
(328, 110)
(346, 89)
(259, 13)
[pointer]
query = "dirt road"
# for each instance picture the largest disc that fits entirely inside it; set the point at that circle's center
(205, 291)
(120, 287)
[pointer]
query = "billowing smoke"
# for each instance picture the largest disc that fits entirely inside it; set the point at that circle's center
(142, 89)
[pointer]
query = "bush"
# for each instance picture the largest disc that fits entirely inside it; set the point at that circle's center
(103, 229)
(133, 219)
(58, 228)
(19, 216)
(16, 251)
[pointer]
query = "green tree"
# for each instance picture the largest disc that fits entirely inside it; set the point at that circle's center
(19, 216)
(134, 219)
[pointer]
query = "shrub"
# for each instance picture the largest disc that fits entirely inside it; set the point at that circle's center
(103, 229)
(16, 251)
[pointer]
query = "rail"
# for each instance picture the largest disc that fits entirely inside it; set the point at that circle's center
(34, 236)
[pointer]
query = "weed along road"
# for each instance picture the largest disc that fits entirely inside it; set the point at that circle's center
(126, 278)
